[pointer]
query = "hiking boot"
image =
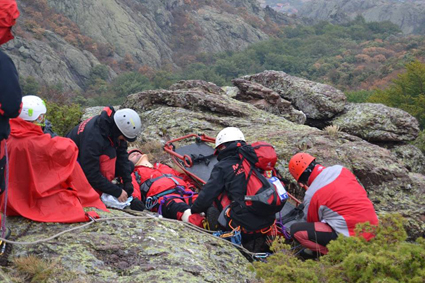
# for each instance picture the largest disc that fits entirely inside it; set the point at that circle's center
(257, 245)
(211, 219)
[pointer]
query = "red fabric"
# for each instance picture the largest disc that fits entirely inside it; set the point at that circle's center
(302, 238)
(322, 227)
(107, 167)
(8, 14)
(162, 184)
(46, 183)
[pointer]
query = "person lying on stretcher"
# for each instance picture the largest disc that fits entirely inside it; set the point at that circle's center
(163, 189)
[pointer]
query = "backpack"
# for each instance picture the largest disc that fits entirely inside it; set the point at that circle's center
(264, 196)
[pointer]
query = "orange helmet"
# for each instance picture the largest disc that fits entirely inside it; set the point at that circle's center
(298, 163)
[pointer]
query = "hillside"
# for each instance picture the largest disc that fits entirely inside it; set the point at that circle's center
(407, 14)
(59, 42)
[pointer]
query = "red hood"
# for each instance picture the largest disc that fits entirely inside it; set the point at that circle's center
(8, 14)
(20, 128)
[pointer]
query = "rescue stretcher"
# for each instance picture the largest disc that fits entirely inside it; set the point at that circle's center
(195, 157)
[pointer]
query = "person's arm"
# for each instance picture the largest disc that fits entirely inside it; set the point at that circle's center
(210, 191)
(10, 90)
(89, 158)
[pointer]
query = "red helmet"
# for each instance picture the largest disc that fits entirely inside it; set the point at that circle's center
(298, 163)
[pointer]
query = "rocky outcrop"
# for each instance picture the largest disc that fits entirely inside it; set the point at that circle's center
(409, 16)
(197, 84)
(268, 100)
(53, 62)
(123, 247)
(170, 114)
(409, 155)
(378, 123)
(317, 101)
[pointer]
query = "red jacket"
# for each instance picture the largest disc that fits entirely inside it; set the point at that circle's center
(336, 198)
(142, 175)
(45, 181)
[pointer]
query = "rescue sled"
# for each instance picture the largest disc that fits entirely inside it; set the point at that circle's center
(194, 156)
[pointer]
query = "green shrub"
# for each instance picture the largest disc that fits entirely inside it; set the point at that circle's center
(386, 258)
(420, 141)
(360, 96)
(63, 117)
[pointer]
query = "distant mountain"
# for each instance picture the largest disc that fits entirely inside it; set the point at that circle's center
(61, 41)
(409, 15)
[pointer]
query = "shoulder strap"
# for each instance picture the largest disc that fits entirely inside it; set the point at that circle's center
(148, 183)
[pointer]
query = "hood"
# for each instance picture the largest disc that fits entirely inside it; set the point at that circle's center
(8, 14)
(232, 149)
(22, 129)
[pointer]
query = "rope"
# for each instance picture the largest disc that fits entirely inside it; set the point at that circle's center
(6, 182)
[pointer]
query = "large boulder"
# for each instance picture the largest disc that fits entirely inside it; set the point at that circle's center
(127, 246)
(411, 156)
(171, 114)
(378, 123)
(268, 100)
(318, 101)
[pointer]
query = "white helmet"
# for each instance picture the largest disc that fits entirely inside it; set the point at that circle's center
(227, 135)
(32, 107)
(129, 123)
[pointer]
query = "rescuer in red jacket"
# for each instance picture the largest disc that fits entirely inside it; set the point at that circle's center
(46, 182)
(334, 203)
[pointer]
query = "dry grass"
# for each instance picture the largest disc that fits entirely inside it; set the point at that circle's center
(34, 269)
(332, 131)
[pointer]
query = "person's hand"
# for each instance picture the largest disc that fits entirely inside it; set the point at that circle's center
(128, 187)
(123, 197)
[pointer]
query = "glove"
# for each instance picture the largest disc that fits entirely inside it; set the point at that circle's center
(137, 204)
(128, 187)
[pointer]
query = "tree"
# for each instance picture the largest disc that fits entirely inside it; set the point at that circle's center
(130, 82)
(407, 92)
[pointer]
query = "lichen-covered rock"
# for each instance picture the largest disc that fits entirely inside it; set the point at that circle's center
(268, 100)
(135, 247)
(411, 156)
(166, 117)
(378, 123)
(318, 101)
(202, 85)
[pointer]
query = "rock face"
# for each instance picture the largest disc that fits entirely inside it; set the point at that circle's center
(390, 184)
(318, 101)
(268, 100)
(378, 123)
(135, 247)
(409, 16)
(63, 65)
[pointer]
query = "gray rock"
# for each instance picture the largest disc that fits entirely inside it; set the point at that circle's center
(268, 100)
(197, 84)
(410, 156)
(378, 123)
(136, 247)
(316, 100)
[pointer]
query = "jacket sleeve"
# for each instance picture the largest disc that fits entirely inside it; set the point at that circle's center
(89, 157)
(124, 167)
(10, 90)
(210, 191)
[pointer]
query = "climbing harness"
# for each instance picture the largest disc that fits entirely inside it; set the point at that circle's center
(233, 236)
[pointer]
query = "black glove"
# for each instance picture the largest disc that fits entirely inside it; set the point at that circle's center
(128, 188)
(137, 204)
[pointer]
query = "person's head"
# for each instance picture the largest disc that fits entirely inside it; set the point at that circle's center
(138, 158)
(8, 14)
(300, 166)
(129, 123)
(226, 136)
(33, 110)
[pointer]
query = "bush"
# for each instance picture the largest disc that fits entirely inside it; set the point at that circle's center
(420, 141)
(386, 258)
(63, 117)
(360, 96)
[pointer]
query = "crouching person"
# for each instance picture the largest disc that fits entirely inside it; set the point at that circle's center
(102, 143)
(334, 203)
(164, 190)
(45, 181)
(228, 187)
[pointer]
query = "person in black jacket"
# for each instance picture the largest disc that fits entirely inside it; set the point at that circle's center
(227, 187)
(10, 91)
(102, 143)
